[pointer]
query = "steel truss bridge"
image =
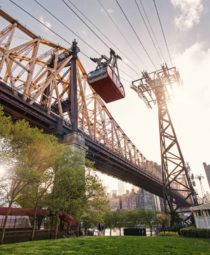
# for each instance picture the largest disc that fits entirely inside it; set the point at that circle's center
(46, 84)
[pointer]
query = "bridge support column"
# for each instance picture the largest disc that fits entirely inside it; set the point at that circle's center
(73, 111)
(76, 142)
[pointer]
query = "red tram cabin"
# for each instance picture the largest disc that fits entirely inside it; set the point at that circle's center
(105, 79)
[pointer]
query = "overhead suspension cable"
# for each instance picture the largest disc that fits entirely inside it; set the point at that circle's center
(147, 28)
(99, 30)
(61, 22)
(138, 38)
(89, 27)
(58, 35)
(55, 33)
(50, 29)
(169, 55)
(152, 31)
(67, 27)
(118, 29)
(71, 9)
(124, 79)
(126, 74)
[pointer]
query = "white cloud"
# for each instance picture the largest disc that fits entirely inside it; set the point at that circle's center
(190, 13)
(45, 22)
(194, 66)
(190, 107)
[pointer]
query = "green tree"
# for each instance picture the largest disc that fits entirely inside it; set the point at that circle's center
(34, 195)
(40, 158)
(163, 219)
(31, 153)
(110, 220)
(11, 188)
(96, 203)
(121, 218)
(46, 173)
(133, 218)
(77, 190)
(150, 219)
(68, 191)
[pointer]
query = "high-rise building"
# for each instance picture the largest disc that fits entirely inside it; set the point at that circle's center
(121, 187)
(131, 200)
(128, 200)
(148, 201)
(207, 170)
(114, 201)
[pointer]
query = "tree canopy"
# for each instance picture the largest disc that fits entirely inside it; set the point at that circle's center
(47, 174)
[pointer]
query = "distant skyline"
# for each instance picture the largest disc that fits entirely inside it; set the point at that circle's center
(186, 26)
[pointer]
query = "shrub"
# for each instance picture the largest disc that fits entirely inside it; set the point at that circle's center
(168, 233)
(195, 232)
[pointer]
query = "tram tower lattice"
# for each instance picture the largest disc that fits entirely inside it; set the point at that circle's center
(153, 88)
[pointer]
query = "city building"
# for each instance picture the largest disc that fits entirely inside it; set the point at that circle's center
(121, 187)
(135, 199)
(114, 201)
(129, 200)
(149, 201)
(201, 215)
(207, 171)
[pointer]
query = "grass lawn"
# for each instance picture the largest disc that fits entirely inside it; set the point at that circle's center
(112, 246)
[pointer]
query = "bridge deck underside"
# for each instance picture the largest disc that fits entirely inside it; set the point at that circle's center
(105, 160)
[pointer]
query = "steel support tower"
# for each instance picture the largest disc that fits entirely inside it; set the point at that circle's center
(153, 89)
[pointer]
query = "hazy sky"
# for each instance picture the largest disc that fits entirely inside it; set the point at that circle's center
(186, 26)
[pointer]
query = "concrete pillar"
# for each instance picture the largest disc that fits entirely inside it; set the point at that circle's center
(76, 142)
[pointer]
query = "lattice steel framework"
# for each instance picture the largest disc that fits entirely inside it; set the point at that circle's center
(153, 88)
(40, 72)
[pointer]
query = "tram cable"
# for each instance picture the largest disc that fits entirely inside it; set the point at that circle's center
(47, 27)
(151, 29)
(134, 31)
(67, 27)
(147, 28)
(92, 30)
(58, 35)
(99, 30)
(24, 10)
(121, 33)
(163, 33)
(62, 23)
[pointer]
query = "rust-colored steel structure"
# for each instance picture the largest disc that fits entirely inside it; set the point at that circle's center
(47, 85)
(36, 70)
(153, 89)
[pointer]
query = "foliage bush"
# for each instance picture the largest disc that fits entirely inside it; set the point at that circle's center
(168, 233)
(195, 232)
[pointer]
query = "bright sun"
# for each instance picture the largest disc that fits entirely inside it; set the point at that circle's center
(2, 169)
